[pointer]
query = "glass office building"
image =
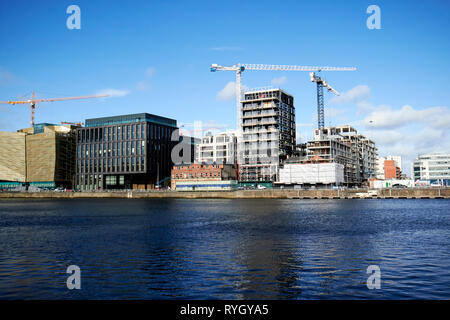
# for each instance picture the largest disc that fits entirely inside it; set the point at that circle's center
(434, 167)
(124, 152)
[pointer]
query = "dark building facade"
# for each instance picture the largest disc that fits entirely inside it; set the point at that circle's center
(125, 152)
(268, 134)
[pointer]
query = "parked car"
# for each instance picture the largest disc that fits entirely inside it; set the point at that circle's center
(59, 189)
(399, 186)
(260, 187)
(435, 184)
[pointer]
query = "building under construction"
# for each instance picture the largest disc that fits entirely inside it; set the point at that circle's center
(343, 144)
(267, 134)
(40, 156)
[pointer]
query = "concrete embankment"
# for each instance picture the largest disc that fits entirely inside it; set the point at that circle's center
(422, 193)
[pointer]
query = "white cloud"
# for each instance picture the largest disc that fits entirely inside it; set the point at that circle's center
(228, 92)
(408, 143)
(113, 92)
(331, 112)
(405, 131)
(385, 117)
(356, 94)
(279, 81)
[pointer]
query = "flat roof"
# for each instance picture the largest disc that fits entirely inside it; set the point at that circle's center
(131, 118)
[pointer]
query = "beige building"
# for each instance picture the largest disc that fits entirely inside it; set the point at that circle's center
(43, 156)
(12, 156)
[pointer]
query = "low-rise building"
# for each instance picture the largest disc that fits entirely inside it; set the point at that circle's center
(381, 184)
(41, 156)
(434, 167)
(203, 177)
(319, 174)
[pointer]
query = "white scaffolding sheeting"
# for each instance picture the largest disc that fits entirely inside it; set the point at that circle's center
(312, 173)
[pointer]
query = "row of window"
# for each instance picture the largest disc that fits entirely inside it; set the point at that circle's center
(98, 150)
(196, 175)
(125, 132)
(132, 164)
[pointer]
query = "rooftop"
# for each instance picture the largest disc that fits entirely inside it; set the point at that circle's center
(131, 118)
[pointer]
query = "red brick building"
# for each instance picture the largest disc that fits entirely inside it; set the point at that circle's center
(390, 170)
(202, 172)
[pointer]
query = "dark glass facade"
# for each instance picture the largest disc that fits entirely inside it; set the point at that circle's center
(124, 152)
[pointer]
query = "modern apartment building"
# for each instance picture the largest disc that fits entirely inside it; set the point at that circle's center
(41, 156)
(331, 147)
(343, 144)
(365, 149)
(434, 167)
(220, 148)
(125, 152)
(267, 133)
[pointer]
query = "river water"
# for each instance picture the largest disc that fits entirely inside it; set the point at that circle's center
(225, 249)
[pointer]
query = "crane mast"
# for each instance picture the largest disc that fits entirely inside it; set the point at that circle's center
(320, 99)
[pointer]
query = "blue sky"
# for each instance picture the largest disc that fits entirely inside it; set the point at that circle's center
(155, 57)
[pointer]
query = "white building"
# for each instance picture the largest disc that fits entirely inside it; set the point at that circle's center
(381, 184)
(434, 167)
(343, 144)
(379, 167)
(331, 173)
(220, 148)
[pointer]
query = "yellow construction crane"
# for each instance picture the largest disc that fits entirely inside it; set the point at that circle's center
(32, 102)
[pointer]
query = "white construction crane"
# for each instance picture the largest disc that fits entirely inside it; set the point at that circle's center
(239, 68)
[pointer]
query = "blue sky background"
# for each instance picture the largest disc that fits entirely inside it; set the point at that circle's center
(156, 54)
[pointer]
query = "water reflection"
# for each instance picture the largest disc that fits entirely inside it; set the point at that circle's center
(225, 249)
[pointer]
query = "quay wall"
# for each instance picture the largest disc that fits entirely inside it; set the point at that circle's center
(421, 193)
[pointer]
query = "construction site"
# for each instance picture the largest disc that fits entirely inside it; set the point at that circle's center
(266, 137)
(262, 149)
